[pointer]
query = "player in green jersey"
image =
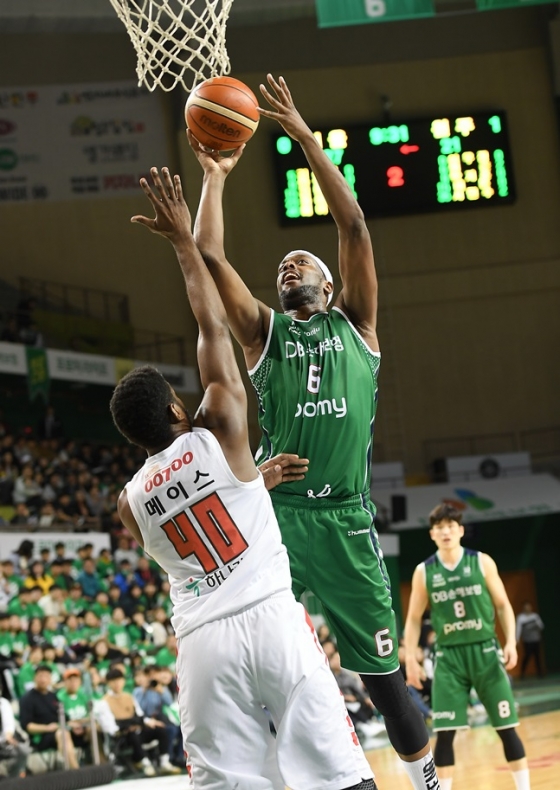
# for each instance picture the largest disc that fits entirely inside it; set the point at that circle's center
(462, 589)
(315, 374)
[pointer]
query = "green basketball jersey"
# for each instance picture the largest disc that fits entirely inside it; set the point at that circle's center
(316, 385)
(75, 705)
(461, 608)
(20, 643)
(6, 644)
(118, 635)
(25, 678)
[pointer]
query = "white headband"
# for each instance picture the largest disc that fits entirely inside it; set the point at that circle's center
(323, 266)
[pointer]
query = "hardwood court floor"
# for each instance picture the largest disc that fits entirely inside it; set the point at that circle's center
(480, 763)
(479, 758)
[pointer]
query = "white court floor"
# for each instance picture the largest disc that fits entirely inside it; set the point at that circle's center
(156, 783)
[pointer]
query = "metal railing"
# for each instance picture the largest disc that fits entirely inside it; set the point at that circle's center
(149, 345)
(64, 298)
(159, 347)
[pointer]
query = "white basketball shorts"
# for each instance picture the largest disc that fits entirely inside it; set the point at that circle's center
(266, 656)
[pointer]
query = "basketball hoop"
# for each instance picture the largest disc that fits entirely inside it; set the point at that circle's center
(176, 41)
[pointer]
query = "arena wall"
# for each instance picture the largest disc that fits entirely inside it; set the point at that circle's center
(468, 302)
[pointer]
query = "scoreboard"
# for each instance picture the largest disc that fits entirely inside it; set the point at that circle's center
(448, 163)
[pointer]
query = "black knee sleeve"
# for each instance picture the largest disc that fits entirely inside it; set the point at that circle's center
(443, 752)
(367, 784)
(513, 748)
(389, 694)
(405, 726)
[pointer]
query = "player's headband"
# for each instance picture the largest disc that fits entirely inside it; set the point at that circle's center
(323, 266)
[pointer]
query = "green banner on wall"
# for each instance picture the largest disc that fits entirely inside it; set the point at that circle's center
(335, 13)
(490, 5)
(38, 379)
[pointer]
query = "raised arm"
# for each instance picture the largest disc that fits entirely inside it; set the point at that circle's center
(504, 609)
(417, 605)
(224, 406)
(248, 317)
(355, 254)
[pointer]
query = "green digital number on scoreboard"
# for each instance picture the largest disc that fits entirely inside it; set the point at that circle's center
(447, 163)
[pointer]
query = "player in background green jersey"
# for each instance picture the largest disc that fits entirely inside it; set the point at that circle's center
(462, 588)
(315, 373)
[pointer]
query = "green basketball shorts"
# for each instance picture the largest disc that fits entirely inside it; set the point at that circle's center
(334, 552)
(459, 668)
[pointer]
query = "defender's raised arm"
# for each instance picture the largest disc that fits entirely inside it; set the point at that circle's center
(216, 359)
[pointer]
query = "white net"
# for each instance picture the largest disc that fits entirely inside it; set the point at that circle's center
(176, 41)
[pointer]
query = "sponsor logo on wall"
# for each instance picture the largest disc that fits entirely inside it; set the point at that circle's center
(77, 141)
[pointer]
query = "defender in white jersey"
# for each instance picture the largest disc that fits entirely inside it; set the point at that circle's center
(199, 507)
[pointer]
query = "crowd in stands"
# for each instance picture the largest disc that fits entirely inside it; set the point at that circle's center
(81, 630)
(47, 482)
(90, 630)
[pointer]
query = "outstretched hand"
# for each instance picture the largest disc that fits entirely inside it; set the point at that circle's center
(173, 218)
(284, 110)
(213, 161)
(283, 468)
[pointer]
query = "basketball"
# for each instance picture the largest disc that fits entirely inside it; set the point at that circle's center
(222, 113)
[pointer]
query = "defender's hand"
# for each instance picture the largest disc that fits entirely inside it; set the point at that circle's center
(283, 468)
(173, 219)
(284, 111)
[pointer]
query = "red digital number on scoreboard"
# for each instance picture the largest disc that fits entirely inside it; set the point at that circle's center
(395, 177)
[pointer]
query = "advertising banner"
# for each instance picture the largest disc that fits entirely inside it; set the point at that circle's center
(72, 366)
(181, 379)
(38, 378)
(490, 5)
(13, 359)
(480, 500)
(335, 13)
(43, 365)
(68, 142)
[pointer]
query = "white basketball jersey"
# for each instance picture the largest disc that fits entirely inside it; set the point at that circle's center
(216, 537)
